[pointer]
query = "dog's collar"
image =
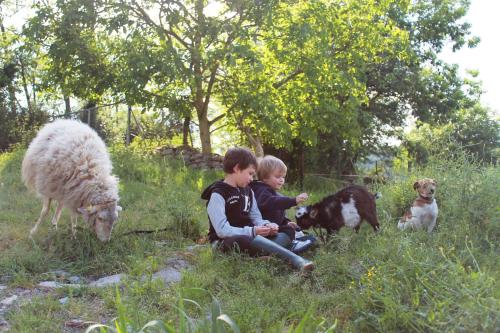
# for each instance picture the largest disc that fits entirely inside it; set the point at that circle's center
(429, 199)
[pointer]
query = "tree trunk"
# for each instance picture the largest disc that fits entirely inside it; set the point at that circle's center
(186, 131)
(26, 92)
(301, 164)
(206, 145)
(256, 143)
(200, 100)
(67, 107)
(12, 98)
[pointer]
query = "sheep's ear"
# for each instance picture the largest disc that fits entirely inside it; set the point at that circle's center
(314, 213)
(416, 185)
(434, 182)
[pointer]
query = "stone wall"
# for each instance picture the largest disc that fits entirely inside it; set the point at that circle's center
(192, 157)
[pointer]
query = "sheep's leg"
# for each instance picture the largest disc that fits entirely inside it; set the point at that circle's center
(74, 220)
(43, 214)
(57, 214)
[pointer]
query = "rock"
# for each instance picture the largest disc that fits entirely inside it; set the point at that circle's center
(2, 287)
(177, 263)
(8, 301)
(56, 285)
(191, 248)
(4, 326)
(107, 281)
(59, 274)
(75, 279)
(49, 284)
(168, 275)
(64, 300)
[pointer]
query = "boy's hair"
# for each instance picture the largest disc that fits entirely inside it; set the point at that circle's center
(268, 164)
(242, 157)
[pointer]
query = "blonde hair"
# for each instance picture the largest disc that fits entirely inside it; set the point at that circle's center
(267, 165)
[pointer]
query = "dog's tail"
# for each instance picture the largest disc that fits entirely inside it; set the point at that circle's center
(377, 195)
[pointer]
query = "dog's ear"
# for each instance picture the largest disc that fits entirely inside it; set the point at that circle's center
(314, 213)
(416, 185)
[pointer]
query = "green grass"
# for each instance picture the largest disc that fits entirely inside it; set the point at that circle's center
(390, 281)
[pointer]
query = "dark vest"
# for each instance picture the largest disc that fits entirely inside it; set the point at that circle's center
(239, 201)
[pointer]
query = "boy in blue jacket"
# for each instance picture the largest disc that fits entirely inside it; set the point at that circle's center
(271, 173)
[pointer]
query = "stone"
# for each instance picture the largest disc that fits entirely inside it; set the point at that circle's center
(107, 281)
(56, 285)
(75, 279)
(59, 274)
(9, 300)
(64, 300)
(168, 275)
(4, 326)
(49, 284)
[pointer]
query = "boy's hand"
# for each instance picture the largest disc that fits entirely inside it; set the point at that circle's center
(262, 230)
(301, 198)
(274, 228)
(293, 225)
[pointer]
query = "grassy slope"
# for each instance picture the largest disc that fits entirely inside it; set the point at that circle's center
(391, 281)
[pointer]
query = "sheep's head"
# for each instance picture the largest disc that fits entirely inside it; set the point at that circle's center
(101, 218)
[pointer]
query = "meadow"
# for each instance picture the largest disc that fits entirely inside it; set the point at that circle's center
(392, 281)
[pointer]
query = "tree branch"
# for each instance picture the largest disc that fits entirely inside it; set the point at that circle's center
(290, 77)
(216, 119)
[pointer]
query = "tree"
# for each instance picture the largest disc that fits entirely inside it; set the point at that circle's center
(194, 44)
(307, 75)
(472, 130)
(79, 60)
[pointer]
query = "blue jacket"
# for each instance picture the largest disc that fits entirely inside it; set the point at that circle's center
(272, 204)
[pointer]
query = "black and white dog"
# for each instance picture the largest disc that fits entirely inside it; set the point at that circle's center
(348, 207)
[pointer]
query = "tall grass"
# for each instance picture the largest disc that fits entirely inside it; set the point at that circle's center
(386, 282)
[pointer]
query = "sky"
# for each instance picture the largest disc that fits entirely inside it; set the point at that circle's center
(483, 16)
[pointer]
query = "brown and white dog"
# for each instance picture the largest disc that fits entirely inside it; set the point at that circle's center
(424, 211)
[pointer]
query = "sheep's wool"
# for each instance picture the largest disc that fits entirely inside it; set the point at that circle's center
(68, 162)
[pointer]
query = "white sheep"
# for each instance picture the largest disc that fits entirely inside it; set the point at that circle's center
(68, 162)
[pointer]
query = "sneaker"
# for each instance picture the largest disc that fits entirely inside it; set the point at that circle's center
(299, 234)
(299, 246)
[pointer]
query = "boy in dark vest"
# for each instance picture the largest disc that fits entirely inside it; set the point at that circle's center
(235, 220)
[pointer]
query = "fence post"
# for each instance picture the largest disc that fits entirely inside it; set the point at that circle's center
(89, 111)
(129, 112)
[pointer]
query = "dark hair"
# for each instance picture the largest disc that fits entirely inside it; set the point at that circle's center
(242, 157)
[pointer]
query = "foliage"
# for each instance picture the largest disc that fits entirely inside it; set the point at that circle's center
(307, 75)
(471, 130)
